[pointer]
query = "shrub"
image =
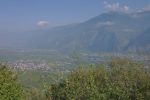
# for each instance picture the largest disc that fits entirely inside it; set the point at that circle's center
(9, 87)
(35, 94)
(122, 80)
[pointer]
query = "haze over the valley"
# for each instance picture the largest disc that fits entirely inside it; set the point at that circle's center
(100, 25)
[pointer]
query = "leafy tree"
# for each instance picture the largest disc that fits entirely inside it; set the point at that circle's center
(122, 80)
(128, 80)
(35, 94)
(9, 87)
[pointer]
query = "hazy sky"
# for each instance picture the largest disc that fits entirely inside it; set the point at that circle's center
(21, 15)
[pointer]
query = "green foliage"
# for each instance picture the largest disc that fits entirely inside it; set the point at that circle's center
(36, 94)
(79, 85)
(9, 87)
(129, 80)
(38, 79)
(122, 80)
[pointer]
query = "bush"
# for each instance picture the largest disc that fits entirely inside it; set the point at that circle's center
(122, 80)
(35, 94)
(9, 87)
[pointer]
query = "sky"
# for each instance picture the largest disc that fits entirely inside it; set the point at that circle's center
(23, 15)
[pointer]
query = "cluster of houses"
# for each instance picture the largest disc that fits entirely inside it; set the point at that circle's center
(29, 65)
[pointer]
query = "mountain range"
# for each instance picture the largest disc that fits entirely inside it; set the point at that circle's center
(107, 32)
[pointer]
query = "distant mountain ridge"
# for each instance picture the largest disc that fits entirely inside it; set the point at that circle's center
(108, 32)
